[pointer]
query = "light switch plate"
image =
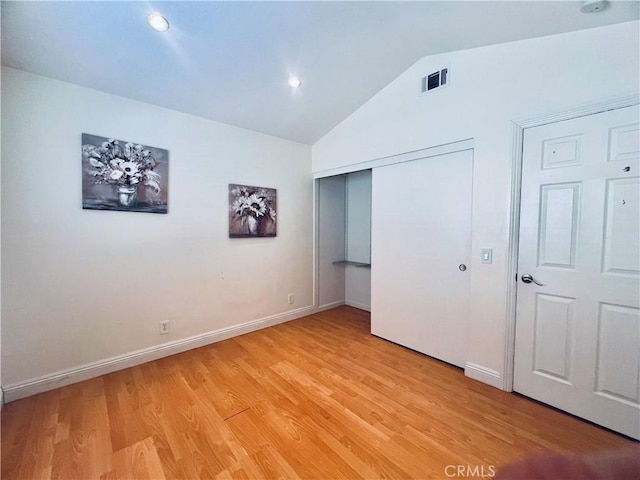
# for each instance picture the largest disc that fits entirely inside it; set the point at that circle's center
(486, 255)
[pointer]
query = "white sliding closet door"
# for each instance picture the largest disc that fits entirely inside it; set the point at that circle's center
(420, 254)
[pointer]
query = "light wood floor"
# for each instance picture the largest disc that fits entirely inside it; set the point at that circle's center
(318, 398)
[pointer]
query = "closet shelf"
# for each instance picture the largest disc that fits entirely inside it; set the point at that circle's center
(349, 262)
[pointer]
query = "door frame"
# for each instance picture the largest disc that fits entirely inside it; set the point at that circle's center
(519, 127)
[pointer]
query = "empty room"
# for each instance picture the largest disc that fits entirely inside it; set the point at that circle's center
(320, 240)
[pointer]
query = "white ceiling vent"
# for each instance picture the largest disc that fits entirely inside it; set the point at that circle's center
(435, 80)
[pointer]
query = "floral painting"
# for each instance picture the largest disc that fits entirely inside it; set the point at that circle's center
(125, 176)
(252, 211)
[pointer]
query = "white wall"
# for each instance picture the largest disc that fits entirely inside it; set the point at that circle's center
(489, 88)
(331, 241)
(358, 222)
(344, 233)
(358, 279)
(82, 286)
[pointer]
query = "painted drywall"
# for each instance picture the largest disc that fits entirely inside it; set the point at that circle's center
(359, 216)
(489, 87)
(80, 286)
(344, 232)
(358, 279)
(331, 240)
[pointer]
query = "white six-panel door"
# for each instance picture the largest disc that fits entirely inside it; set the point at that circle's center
(578, 334)
(421, 235)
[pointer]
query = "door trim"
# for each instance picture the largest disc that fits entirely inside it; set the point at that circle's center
(434, 151)
(518, 130)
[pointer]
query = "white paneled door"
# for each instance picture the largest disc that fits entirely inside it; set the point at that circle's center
(578, 297)
(420, 249)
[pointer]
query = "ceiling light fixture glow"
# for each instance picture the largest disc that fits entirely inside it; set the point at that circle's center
(158, 22)
(294, 82)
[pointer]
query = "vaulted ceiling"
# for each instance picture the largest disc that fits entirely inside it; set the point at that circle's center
(230, 61)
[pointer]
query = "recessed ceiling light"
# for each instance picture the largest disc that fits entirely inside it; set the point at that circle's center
(158, 22)
(294, 82)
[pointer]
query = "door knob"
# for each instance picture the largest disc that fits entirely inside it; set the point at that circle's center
(526, 278)
(462, 267)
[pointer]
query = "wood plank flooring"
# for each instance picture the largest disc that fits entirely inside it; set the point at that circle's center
(315, 398)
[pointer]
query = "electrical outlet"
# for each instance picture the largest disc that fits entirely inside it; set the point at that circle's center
(291, 299)
(164, 327)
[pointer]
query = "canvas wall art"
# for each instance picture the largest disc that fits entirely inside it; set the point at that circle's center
(123, 176)
(252, 211)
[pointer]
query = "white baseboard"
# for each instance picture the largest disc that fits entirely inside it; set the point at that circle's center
(329, 306)
(361, 306)
(484, 375)
(91, 370)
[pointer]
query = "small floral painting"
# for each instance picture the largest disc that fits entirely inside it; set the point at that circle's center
(124, 176)
(252, 211)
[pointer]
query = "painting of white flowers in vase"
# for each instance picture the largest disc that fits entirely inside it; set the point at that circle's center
(252, 211)
(124, 176)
